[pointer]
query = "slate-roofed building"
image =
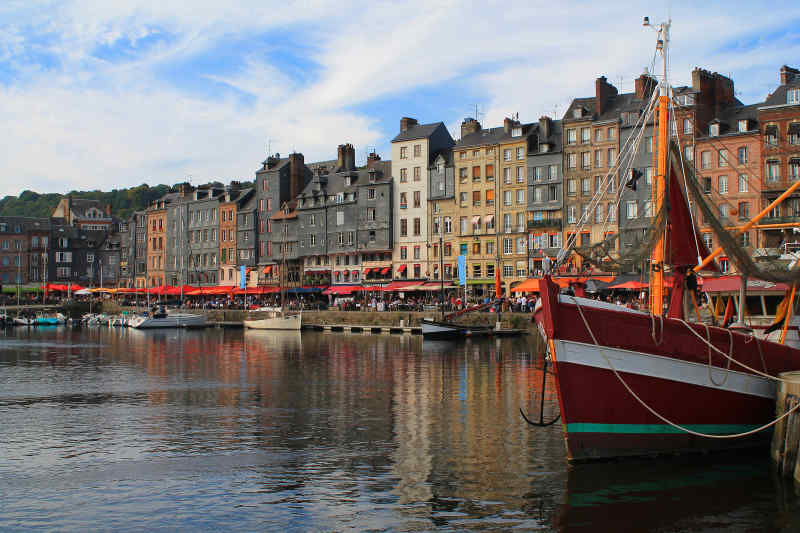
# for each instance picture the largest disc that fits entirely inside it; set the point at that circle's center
(412, 151)
(545, 192)
(229, 237)
(443, 210)
(247, 237)
(23, 244)
(84, 213)
(345, 222)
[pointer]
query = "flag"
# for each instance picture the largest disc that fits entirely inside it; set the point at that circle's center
(780, 315)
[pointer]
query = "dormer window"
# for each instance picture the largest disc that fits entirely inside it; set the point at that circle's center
(516, 132)
(577, 112)
(347, 181)
(793, 96)
(544, 147)
(713, 129)
(743, 126)
(340, 197)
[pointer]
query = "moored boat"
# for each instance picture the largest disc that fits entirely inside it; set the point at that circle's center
(163, 319)
(276, 321)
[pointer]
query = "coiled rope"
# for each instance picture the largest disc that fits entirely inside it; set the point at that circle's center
(663, 418)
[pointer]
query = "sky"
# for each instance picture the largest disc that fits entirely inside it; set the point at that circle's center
(103, 95)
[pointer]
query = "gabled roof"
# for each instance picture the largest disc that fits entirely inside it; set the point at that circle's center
(418, 131)
(779, 96)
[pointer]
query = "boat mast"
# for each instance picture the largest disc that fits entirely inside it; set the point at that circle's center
(659, 186)
(282, 273)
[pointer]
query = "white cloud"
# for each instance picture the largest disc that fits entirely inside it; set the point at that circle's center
(93, 123)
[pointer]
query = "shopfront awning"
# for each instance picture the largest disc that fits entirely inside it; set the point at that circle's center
(267, 269)
(340, 290)
(528, 285)
(385, 271)
(402, 268)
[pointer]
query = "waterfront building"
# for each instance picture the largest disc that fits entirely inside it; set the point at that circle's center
(247, 238)
(229, 203)
(412, 151)
(779, 121)
(203, 228)
(23, 242)
(545, 193)
(279, 181)
(511, 203)
(84, 213)
(443, 210)
(156, 242)
(344, 220)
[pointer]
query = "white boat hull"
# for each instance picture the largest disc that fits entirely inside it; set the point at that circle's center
(178, 320)
(288, 322)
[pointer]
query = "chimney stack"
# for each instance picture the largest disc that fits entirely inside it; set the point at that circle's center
(545, 128)
(602, 92)
(470, 125)
(346, 157)
(507, 125)
(406, 123)
(372, 160)
(296, 175)
(644, 86)
(788, 74)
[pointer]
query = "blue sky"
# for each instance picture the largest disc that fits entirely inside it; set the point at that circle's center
(104, 95)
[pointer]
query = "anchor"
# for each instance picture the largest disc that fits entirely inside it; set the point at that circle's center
(541, 423)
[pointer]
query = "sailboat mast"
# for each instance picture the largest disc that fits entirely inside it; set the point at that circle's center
(659, 185)
(282, 275)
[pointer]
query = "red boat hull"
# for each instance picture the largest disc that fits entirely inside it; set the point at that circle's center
(667, 367)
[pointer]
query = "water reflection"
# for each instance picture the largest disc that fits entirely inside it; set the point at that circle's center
(126, 429)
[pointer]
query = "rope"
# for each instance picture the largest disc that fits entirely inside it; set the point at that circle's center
(710, 365)
(661, 417)
(653, 328)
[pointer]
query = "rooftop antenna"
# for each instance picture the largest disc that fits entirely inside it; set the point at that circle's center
(478, 112)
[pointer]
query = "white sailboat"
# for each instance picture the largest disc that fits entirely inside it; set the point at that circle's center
(278, 320)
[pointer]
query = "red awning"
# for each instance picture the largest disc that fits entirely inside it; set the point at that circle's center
(267, 269)
(732, 283)
(368, 270)
(402, 268)
(630, 285)
(342, 289)
(385, 271)
(399, 285)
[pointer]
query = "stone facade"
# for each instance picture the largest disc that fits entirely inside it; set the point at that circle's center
(545, 192)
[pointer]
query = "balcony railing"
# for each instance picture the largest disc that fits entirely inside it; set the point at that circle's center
(780, 220)
(549, 223)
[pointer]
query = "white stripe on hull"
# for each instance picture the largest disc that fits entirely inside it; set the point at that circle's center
(431, 329)
(658, 366)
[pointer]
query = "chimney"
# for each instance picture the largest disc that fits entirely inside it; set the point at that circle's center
(346, 157)
(644, 86)
(184, 189)
(372, 160)
(273, 160)
(235, 185)
(788, 74)
(602, 92)
(545, 127)
(296, 174)
(507, 125)
(470, 125)
(406, 123)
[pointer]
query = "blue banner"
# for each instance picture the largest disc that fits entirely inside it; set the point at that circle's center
(242, 277)
(462, 269)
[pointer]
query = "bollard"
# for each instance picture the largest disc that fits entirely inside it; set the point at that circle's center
(786, 437)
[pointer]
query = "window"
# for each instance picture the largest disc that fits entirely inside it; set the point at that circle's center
(571, 187)
(520, 154)
(708, 240)
(507, 175)
(507, 154)
(771, 136)
(688, 152)
(687, 126)
(476, 153)
(648, 208)
(612, 157)
(707, 185)
(520, 196)
(417, 198)
(743, 185)
(713, 129)
(744, 210)
(793, 96)
(403, 252)
(403, 152)
(476, 173)
(598, 214)
(403, 200)
(538, 194)
(552, 193)
(572, 160)
(648, 145)
(371, 214)
(572, 136)
(773, 170)
(612, 133)
(416, 252)
(585, 160)
(612, 212)
(552, 172)
(586, 187)
(476, 198)
(489, 172)
(571, 215)
(722, 158)
(403, 227)
(448, 225)
(417, 174)
(705, 159)
(508, 246)
(520, 174)
(476, 271)
(598, 135)
(340, 218)
(723, 210)
(462, 198)
(598, 158)
(403, 175)
(631, 209)
(476, 248)
(794, 133)
(648, 175)
(489, 247)
(506, 197)
(463, 224)
(417, 150)
(723, 184)
(585, 135)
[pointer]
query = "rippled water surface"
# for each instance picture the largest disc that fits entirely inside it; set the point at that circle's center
(123, 430)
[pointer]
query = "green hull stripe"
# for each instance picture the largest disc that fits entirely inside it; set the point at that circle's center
(713, 429)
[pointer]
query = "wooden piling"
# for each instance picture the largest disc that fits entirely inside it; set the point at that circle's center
(786, 437)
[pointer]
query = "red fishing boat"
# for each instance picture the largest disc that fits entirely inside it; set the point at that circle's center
(639, 382)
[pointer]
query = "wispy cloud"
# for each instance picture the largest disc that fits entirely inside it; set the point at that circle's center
(101, 95)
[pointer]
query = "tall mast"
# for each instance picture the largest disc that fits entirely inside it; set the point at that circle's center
(282, 274)
(659, 186)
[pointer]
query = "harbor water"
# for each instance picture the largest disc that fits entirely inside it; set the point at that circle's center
(110, 429)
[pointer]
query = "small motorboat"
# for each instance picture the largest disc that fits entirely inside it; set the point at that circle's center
(160, 318)
(56, 319)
